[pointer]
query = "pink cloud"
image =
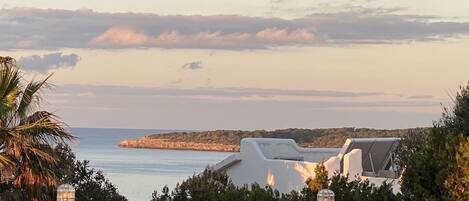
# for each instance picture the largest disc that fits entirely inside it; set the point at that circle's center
(209, 39)
(275, 35)
(58, 28)
(127, 36)
(121, 36)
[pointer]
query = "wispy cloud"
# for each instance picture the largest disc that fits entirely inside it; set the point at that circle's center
(212, 92)
(324, 99)
(240, 108)
(420, 97)
(28, 28)
(47, 62)
(127, 36)
(192, 65)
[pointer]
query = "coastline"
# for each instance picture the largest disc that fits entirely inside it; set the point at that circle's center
(228, 140)
(151, 143)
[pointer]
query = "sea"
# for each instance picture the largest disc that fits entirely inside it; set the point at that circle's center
(138, 172)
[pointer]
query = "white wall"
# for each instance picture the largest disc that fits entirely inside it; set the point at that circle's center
(287, 175)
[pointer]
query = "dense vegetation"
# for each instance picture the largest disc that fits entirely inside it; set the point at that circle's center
(89, 183)
(332, 137)
(216, 186)
(437, 161)
(34, 157)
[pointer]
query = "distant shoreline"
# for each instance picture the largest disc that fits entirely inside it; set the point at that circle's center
(228, 140)
(149, 143)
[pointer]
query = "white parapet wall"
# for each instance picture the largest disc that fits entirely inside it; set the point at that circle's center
(279, 163)
(283, 165)
(353, 164)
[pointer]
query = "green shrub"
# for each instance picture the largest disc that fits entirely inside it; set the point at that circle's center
(435, 162)
(215, 186)
(89, 183)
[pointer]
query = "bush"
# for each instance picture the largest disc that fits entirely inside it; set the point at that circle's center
(435, 162)
(215, 186)
(88, 183)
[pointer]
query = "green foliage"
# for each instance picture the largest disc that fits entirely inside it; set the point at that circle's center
(320, 181)
(331, 137)
(216, 186)
(419, 176)
(412, 143)
(458, 180)
(33, 156)
(345, 190)
(89, 183)
(456, 118)
(27, 136)
(435, 162)
(360, 190)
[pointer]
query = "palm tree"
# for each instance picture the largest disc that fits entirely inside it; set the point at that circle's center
(27, 135)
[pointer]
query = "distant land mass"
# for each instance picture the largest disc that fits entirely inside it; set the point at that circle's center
(228, 140)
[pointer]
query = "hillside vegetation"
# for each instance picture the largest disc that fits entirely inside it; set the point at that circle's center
(330, 137)
(219, 139)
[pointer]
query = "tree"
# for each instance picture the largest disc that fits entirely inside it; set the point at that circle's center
(320, 180)
(216, 186)
(433, 166)
(458, 180)
(27, 134)
(89, 184)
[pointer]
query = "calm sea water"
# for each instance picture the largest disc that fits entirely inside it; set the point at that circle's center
(138, 172)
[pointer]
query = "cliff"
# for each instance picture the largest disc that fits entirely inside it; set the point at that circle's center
(149, 143)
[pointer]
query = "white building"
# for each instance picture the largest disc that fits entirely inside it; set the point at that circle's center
(285, 166)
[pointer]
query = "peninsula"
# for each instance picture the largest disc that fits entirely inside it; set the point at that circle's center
(228, 140)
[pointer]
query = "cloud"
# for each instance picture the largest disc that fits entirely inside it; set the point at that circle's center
(240, 108)
(420, 97)
(30, 28)
(46, 62)
(275, 35)
(278, 1)
(121, 36)
(212, 92)
(193, 65)
(319, 99)
(126, 36)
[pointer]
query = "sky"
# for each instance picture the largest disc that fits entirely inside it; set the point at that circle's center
(264, 64)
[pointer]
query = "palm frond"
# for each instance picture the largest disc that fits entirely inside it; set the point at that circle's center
(27, 135)
(35, 162)
(29, 94)
(10, 87)
(44, 127)
(4, 161)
